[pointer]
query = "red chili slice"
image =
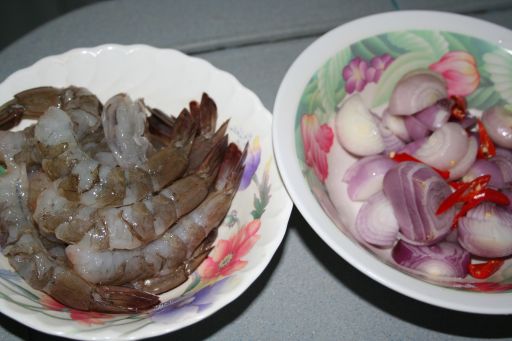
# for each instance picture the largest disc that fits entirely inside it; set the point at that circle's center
(472, 194)
(487, 149)
(464, 193)
(402, 157)
(496, 197)
(485, 270)
(459, 107)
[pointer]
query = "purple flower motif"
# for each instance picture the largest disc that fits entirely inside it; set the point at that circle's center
(354, 75)
(188, 304)
(251, 163)
(377, 66)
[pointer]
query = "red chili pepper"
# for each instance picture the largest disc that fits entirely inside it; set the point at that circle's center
(496, 197)
(402, 157)
(459, 107)
(487, 149)
(457, 184)
(465, 192)
(485, 270)
(472, 194)
(476, 186)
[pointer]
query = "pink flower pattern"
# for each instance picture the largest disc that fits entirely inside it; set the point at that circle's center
(355, 75)
(359, 72)
(317, 140)
(226, 257)
(460, 72)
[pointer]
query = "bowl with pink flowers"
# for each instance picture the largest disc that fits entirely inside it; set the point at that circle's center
(393, 136)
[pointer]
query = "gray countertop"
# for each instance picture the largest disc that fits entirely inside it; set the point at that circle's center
(307, 291)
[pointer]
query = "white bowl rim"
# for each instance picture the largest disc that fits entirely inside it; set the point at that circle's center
(285, 107)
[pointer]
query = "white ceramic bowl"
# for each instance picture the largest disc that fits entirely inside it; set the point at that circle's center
(249, 236)
(314, 84)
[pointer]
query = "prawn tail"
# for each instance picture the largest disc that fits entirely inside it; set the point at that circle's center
(180, 274)
(117, 299)
(231, 169)
(211, 162)
(70, 289)
(11, 115)
(30, 103)
(160, 124)
(207, 115)
(184, 131)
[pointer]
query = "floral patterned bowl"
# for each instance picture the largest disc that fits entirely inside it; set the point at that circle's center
(368, 56)
(248, 237)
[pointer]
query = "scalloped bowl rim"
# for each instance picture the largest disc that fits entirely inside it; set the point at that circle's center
(285, 107)
(271, 246)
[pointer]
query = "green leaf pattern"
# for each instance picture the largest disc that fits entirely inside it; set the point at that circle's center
(330, 81)
(499, 65)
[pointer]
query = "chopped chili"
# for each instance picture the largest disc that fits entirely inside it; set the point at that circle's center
(496, 197)
(485, 270)
(471, 194)
(459, 107)
(465, 191)
(402, 157)
(486, 149)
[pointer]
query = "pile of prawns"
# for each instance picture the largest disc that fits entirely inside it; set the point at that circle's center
(104, 206)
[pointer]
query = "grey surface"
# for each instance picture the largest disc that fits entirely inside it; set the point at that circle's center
(308, 292)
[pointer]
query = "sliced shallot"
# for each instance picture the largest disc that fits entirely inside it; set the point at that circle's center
(396, 124)
(434, 116)
(463, 165)
(503, 159)
(482, 167)
(415, 192)
(445, 147)
(498, 123)
(364, 177)
(416, 128)
(416, 91)
(357, 129)
(486, 231)
(376, 222)
(444, 259)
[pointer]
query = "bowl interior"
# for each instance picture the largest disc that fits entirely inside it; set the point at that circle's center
(369, 61)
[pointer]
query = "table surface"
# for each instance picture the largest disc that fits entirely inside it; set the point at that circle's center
(307, 291)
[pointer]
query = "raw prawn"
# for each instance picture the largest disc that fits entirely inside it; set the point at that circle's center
(175, 248)
(28, 256)
(131, 226)
(94, 184)
(83, 107)
(60, 154)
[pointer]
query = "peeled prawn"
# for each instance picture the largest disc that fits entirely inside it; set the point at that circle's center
(131, 226)
(99, 185)
(124, 124)
(84, 107)
(173, 249)
(28, 256)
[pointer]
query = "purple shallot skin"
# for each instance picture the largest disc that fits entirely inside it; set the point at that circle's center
(415, 192)
(444, 259)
